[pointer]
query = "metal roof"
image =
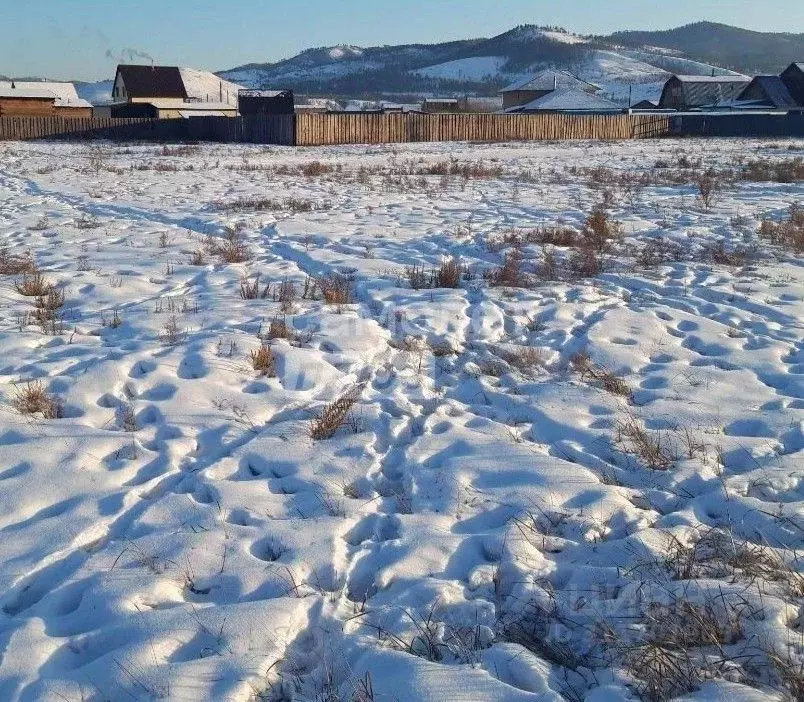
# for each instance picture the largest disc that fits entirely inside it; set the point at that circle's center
(713, 79)
(567, 100)
(263, 93)
(194, 106)
(769, 90)
(684, 92)
(152, 81)
(548, 80)
(27, 94)
(64, 94)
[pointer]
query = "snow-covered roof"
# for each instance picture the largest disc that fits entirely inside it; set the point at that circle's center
(548, 80)
(200, 106)
(713, 79)
(204, 113)
(773, 90)
(207, 86)
(567, 100)
(64, 93)
(23, 93)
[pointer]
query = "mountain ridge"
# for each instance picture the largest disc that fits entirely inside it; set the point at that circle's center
(627, 65)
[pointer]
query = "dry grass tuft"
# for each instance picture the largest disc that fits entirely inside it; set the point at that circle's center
(719, 254)
(334, 415)
(32, 398)
(33, 285)
(790, 673)
(510, 274)
(600, 232)
(15, 265)
(263, 361)
(172, 334)
(280, 329)
(448, 275)
(582, 364)
(231, 249)
(717, 553)
(336, 289)
(656, 449)
(250, 289)
(526, 359)
(788, 233)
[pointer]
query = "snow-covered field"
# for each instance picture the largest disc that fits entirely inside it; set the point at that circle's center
(564, 487)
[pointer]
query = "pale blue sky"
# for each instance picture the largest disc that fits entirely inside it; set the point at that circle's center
(83, 39)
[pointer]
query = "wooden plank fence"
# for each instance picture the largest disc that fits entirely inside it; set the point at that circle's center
(80, 128)
(326, 129)
(342, 128)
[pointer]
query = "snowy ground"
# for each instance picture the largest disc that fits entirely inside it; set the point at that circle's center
(484, 527)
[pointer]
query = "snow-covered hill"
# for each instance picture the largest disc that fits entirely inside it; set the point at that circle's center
(622, 64)
(479, 66)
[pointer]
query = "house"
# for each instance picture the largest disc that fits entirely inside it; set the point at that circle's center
(793, 77)
(645, 105)
(767, 92)
(170, 92)
(41, 99)
(266, 102)
(567, 100)
(527, 90)
(466, 104)
(441, 105)
(311, 109)
(691, 92)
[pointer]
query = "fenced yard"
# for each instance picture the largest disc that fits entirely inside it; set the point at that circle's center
(367, 128)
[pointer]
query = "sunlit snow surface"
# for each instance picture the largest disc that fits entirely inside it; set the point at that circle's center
(477, 532)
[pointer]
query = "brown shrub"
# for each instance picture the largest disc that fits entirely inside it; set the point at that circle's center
(717, 253)
(448, 275)
(784, 171)
(32, 398)
(417, 277)
(787, 233)
(33, 285)
(336, 289)
(526, 359)
(600, 232)
(582, 364)
(510, 274)
(334, 415)
(15, 265)
(315, 168)
(46, 310)
(709, 185)
(250, 289)
(586, 262)
(231, 249)
(280, 329)
(286, 294)
(654, 448)
(263, 361)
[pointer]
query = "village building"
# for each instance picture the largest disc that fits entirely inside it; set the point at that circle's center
(693, 92)
(465, 104)
(41, 99)
(645, 105)
(441, 105)
(169, 92)
(526, 90)
(793, 77)
(266, 102)
(766, 92)
(567, 100)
